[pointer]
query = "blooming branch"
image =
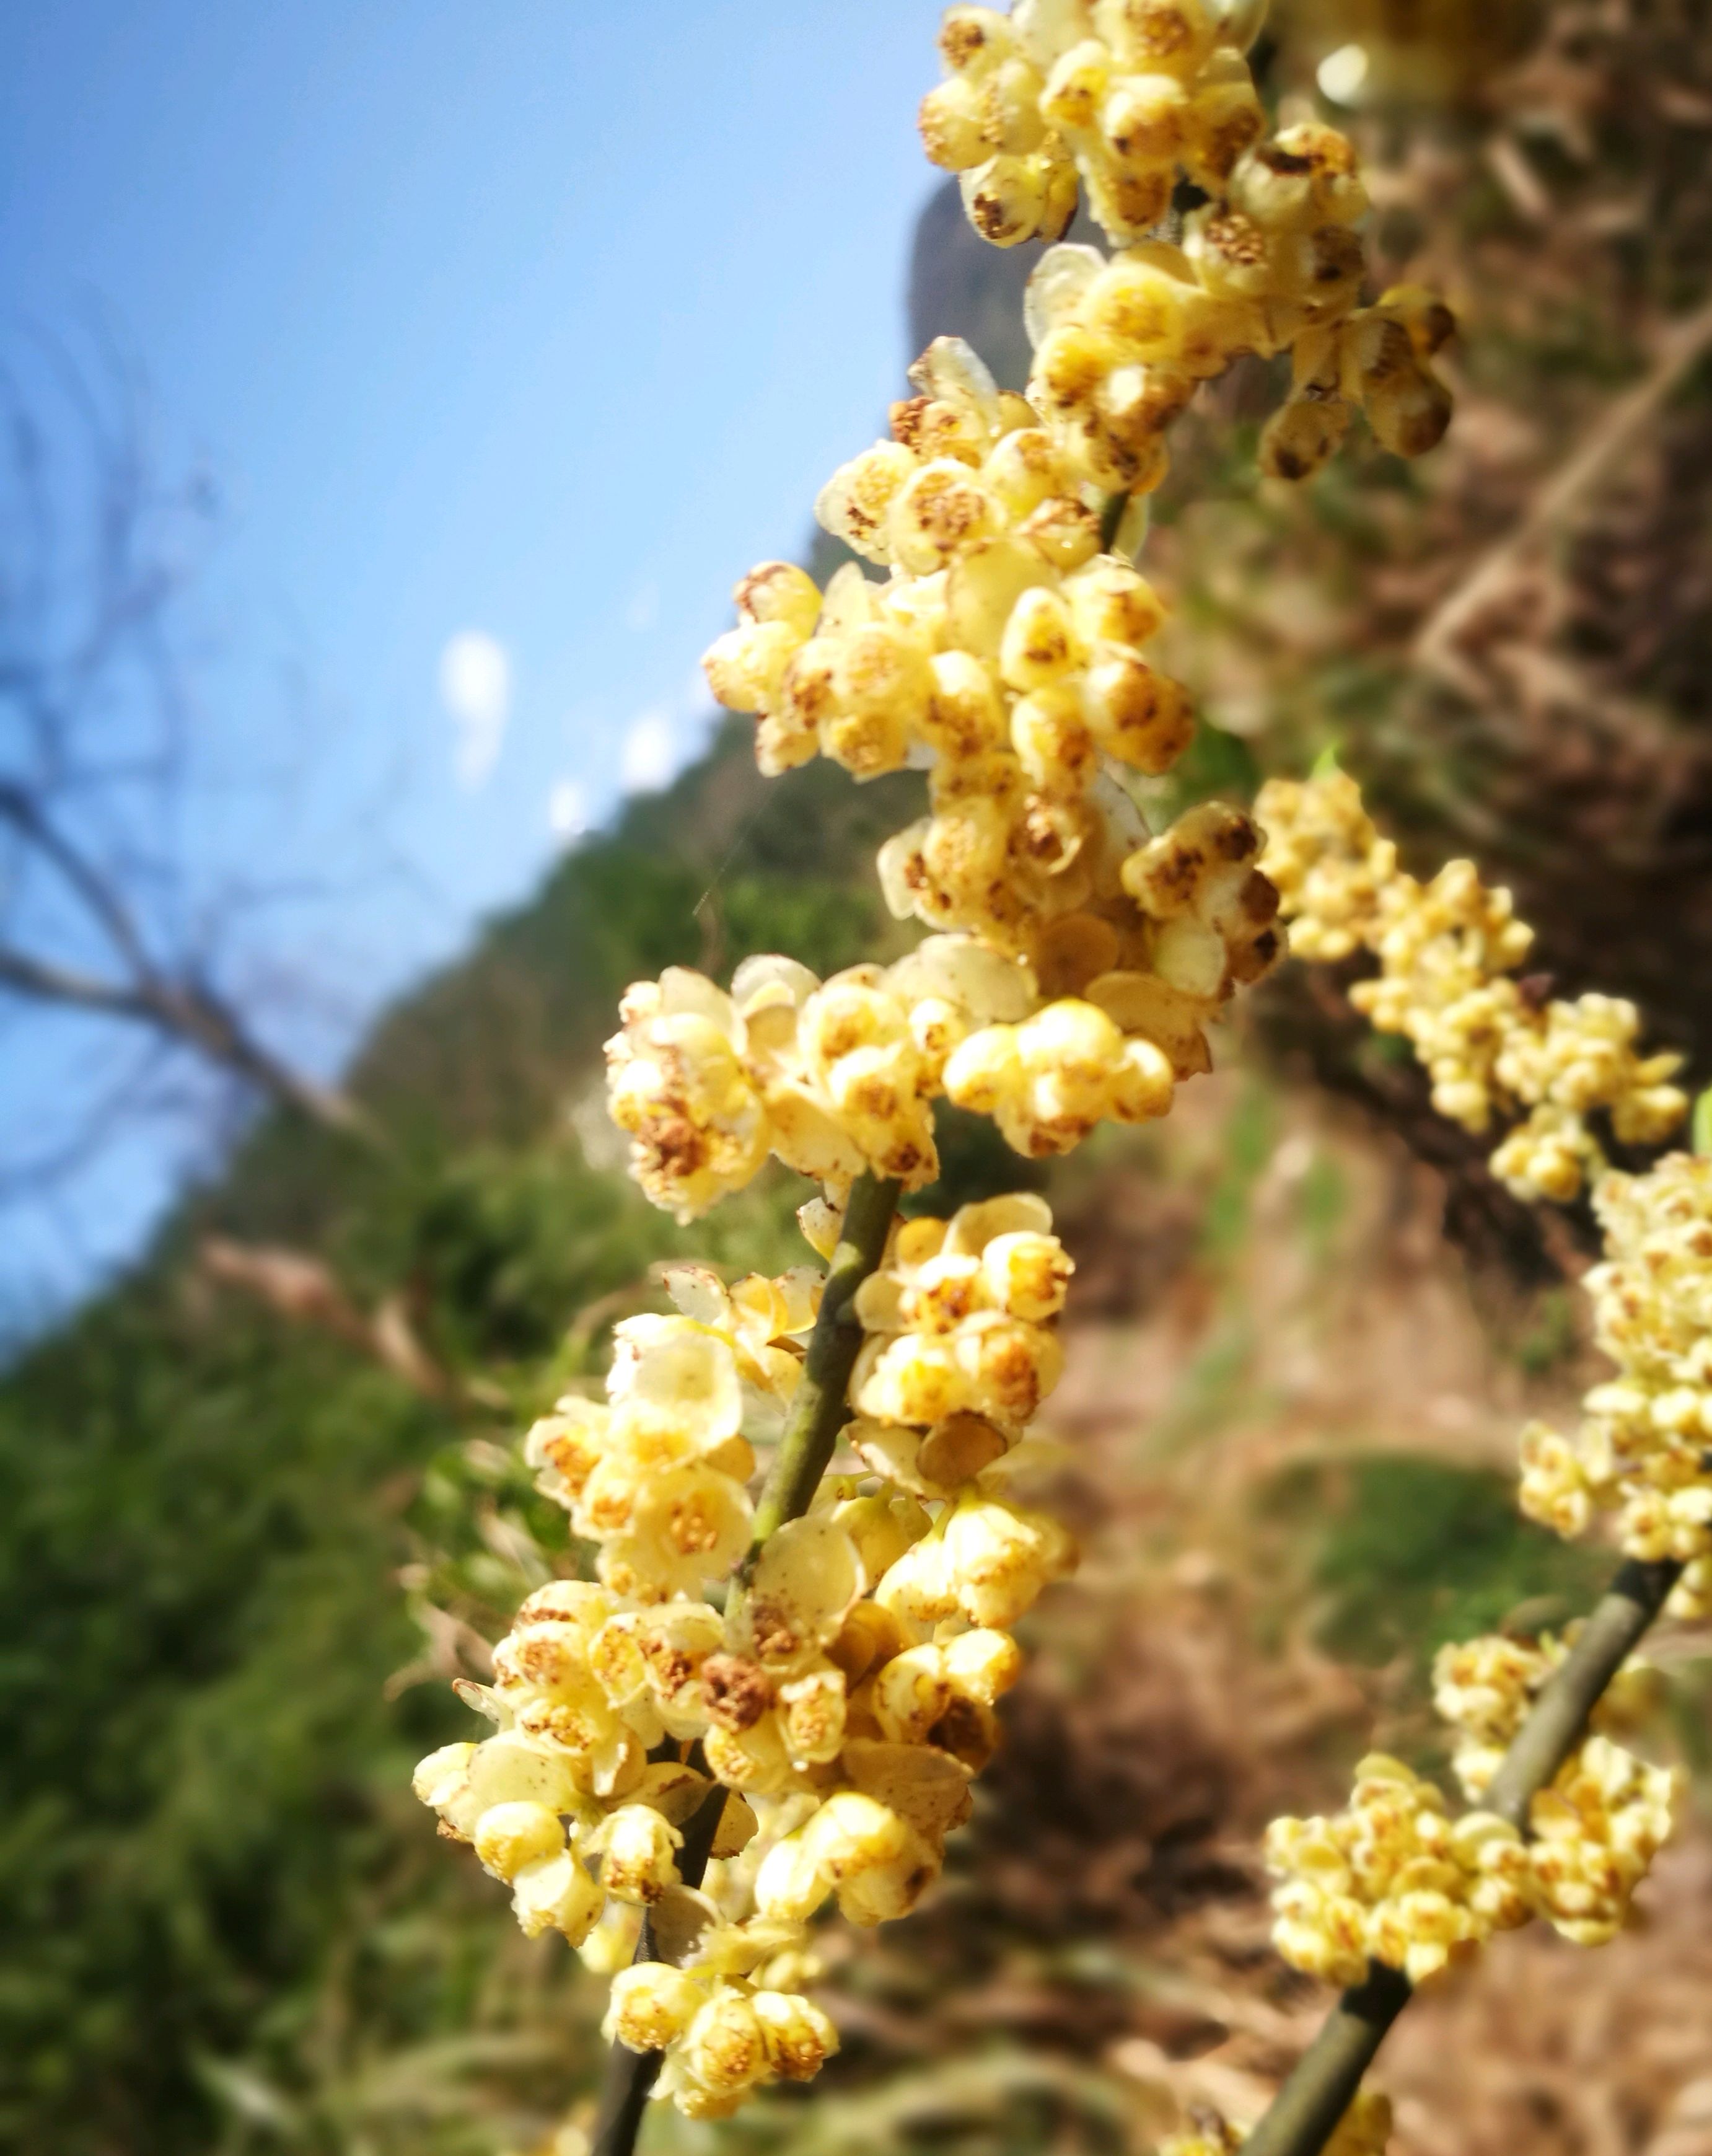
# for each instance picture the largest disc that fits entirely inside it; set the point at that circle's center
(765, 1703)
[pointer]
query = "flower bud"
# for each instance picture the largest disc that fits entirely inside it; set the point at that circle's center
(508, 1836)
(640, 1854)
(652, 2006)
(799, 2039)
(724, 2048)
(557, 1894)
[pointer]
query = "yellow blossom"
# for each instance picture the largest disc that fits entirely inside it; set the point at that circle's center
(1449, 953)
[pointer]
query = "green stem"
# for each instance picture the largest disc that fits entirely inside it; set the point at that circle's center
(1304, 2113)
(1555, 1728)
(1111, 515)
(630, 2075)
(819, 1410)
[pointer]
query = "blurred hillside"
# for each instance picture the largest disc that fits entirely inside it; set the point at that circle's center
(259, 1502)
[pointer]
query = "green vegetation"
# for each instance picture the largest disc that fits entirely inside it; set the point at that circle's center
(219, 1906)
(1415, 1551)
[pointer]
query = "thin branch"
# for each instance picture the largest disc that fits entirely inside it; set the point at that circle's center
(100, 725)
(99, 899)
(196, 1015)
(198, 1019)
(819, 1407)
(1304, 2113)
(303, 1291)
(1604, 1644)
(49, 983)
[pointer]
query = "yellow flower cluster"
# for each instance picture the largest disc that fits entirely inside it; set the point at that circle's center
(843, 1698)
(1134, 986)
(1332, 870)
(1642, 1450)
(1119, 93)
(1392, 1878)
(1005, 652)
(1120, 344)
(838, 1076)
(1484, 1689)
(655, 1476)
(833, 1077)
(817, 1694)
(1130, 94)
(1607, 1814)
(1597, 1830)
(565, 1789)
(1364, 2130)
(723, 2033)
(1005, 644)
(1449, 952)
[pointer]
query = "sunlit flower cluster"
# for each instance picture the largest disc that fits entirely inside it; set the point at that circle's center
(1495, 1043)
(655, 1476)
(836, 1077)
(1120, 344)
(1392, 1878)
(1117, 96)
(1331, 867)
(1595, 1832)
(1200, 924)
(833, 1077)
(571, 1805)
(1395, 1878)
(1005, 653)
(1129, 95)
(1003, 628)
(837, 1704)
(1606, 1816)
(1642, 1450)
(1484, 1689)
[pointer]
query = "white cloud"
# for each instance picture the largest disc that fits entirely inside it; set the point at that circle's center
(661, 739)
(475, 688)
(567, 809)
(651, 753)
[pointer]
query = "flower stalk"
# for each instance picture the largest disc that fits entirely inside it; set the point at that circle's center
(820, 1406)
(1304, 2113)
(630, 2075)
(1559, 1718)
(1303, 2116)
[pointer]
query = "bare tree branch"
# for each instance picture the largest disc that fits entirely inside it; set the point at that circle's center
(94, 898)
(303, 1291)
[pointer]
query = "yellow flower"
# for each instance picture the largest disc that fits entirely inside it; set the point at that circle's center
(1392, 1879)
(798, 2037)
(1447, 952)
(557, 1894)
(637, 1849)
(651, 2006)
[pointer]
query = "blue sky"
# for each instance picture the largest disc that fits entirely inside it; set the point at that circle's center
(530, 324)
